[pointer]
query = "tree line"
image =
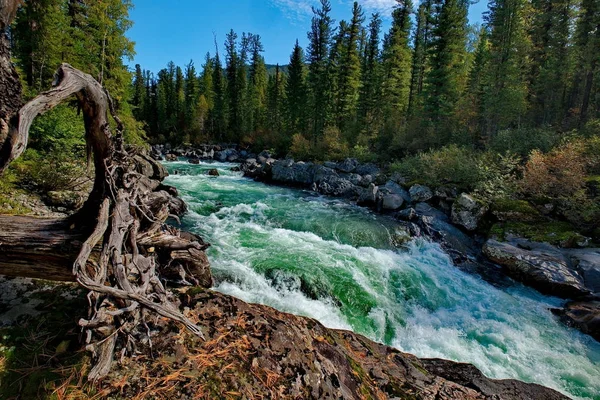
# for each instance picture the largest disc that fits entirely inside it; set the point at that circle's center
(431, 80)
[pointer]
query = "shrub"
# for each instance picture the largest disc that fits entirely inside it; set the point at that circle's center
(334, 147)
(451, 164)
(497, 175)
(559, 173)
(524, 141)
(301, 148)
(59, 170)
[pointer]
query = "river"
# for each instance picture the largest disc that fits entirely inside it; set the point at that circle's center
(324, 258)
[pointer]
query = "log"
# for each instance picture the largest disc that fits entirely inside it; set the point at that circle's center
(38, 248)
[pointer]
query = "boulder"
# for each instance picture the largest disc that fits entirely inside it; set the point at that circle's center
(392, 202)
(194, 160)
(330, 164)
(287, 171)
(408, 214)
(468, 211)
(348, 165)
(171, 157)
(67, 199)
(583, 315)
(394, 188)
(213, 172)
(398, 178)
(354, 178)
(420, 193)
(368, 169)
(368, 196)
(587, 262)
(546, 270)
(333, 185)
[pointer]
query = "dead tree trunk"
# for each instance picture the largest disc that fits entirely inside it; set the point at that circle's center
(134, 246)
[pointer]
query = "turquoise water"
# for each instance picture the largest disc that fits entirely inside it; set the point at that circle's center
(336, 262)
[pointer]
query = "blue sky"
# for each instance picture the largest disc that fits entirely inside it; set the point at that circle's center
(182, 30)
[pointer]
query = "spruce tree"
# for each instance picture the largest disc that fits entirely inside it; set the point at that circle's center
(550, 53)
(296, 93)
(319, 82)
(370, 91)
(505, 100)
(396, 63)
(257, 89)
(349, 74)
(446, 81)
(220, 112)
(233, 90)
(422, 45)
(586, 80)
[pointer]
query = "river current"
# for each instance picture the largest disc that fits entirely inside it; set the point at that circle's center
(330, 260)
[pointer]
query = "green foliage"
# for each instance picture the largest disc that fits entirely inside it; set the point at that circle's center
(497, 175)
(523, 141)
(553, 232)
(301, 148)
(451, 164)
(46, 172)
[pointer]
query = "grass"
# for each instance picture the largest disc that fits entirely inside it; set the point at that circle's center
(554, 232)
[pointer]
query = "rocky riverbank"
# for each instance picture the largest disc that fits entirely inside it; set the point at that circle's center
(466, 227)
(250, 351)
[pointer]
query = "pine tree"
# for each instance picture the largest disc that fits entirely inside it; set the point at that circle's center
(396, 63)
(276, 102)
(296, 93)
(349, 74)
(40, 40)
(505, 100)
(370, 91)
(233, 90)
(138, 99)
(549, 60)
(446, 81)
(257, 89)
(586, 81)
(422, 45)
(192, 118)
(319, 82)
(220, 112)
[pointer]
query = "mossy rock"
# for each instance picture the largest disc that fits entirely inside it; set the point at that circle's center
(515, 210)
(557, 233)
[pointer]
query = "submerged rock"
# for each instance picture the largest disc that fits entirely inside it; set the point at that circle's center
(543, 269)
(213, 172)
(583, 315)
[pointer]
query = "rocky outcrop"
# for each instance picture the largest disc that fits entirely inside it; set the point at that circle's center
(253, 351)
(543, 268)
(468, 212)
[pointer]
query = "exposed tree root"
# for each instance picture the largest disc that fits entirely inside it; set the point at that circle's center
(125, 280)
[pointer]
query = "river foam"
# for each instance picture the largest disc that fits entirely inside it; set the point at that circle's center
(335, 262)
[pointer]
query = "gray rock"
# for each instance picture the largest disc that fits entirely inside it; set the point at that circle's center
(584, 315)
(330, 164)
(354, 178)
(348, 165)
(468, 212)
(286, 171)
(65, 199)
(420, 193)
(213, 172)
(392, 202)
(194, 161)
(407, 215)
(171, 157)
(394, 188)
(545, 270)
(367, 180)
(368, 196)
(398, 178)
(335, 186)
(587, 262)
(368, 169)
